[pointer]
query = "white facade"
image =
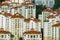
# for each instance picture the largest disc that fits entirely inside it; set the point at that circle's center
(56, 31)
(17, 1)
(4, 35)
(32, 35)
(52, 26)
(19, 18)
(48, 3)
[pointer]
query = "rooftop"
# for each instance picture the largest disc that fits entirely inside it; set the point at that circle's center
(32, 31)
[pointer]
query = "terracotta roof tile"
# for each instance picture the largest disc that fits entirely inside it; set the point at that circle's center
(48, 10)
(32, 18)
(56, 25)
(28, 3)
(4, 4)
(19, 6)
(7, 14)
(36, 20)
(27, 20)
(51, 16)
(17, 15)
(32, 31)
(4, 32)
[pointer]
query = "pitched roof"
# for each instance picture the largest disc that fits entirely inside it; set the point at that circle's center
(4, 4)
(47, 10)
(28, 3)
(17, 15)
(32, 31)
(27, 19)
(32, 18)
(36, 20)
(4, 32)
(51, 16)
(56, 25)
(19, 6)
(7, 14)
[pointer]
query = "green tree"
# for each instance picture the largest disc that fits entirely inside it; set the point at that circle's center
(21, 38)
(2, 0)
(11, 35)
(57, 4)
(39, 9)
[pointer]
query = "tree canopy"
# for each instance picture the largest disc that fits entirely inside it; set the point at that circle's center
(39, 9)
(20, 38)
(2, 0)
(57, 4)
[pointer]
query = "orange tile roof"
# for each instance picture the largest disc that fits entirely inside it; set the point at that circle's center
(51, 16)
(4, 32)
(28, 3)
(27, 20)
(32, 18)
(48, 10)
(4, 4)
(19, 6)
(32, 31)
(36, 20)
(7, 14)
(17, 15)
(56, 25)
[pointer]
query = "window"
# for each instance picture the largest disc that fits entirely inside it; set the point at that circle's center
(40, 2)
(40, 36)
(28, 36)
(2, 36)
(5, 36)
(31, 36)
(59, 16)
(51, 3)
(26, 7)
(34, 36)
(46, 2)
(20, 10)
(8, 35)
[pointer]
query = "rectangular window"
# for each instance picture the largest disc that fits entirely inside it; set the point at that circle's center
(28, 36)
(2, 36)
(36, 36)
(51, 3)
(5, 36)
(40, 36)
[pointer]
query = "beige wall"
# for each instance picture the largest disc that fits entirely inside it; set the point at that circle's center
(46, 38)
